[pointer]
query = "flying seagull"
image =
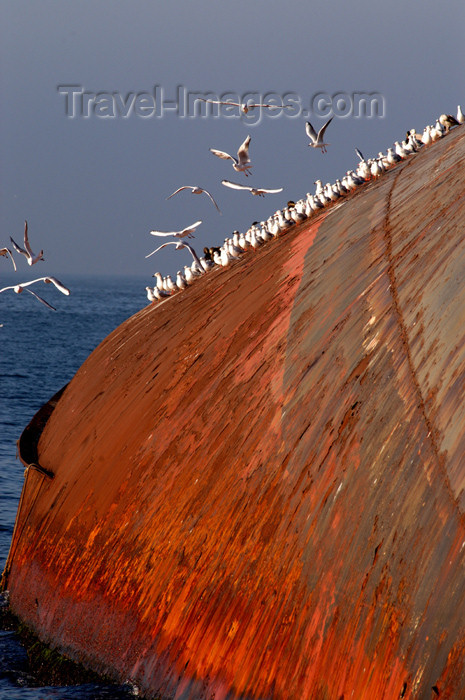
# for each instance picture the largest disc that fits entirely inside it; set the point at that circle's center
(242, 162)
(195, 190)
(18, 288)
(254, 190)
(27, 251)
(317, 139)
(187, 232)
(244, 106)
(48, 280)
(179, 245)
(7, 252)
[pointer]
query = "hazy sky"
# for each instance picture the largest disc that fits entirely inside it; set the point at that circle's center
(92, 187)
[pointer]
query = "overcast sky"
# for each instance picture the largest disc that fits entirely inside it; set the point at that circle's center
(92, 187)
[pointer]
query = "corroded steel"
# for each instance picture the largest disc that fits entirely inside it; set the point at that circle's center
(259, 483)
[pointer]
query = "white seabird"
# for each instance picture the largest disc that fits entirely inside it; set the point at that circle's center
(48, 280)
(185, 233)
(317, 139)
(180, 281)
(27, 250)
(150, 295)
(179, 245)
(260, 191)
(448, 121)
(18, 288)
(244, 106)
(195, 190)
(242, 162)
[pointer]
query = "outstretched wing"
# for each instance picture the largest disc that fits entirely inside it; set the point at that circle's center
(165, 233)
(243, 152)
(235, 186)
(189, 229)
(26, 241)
(209, 195)
(160, 247)
(360, 154)
(219, 102)
(311, 133)
(321, 132)
(185, 187)
(48, 280)
(271, 191)
(18, 247)
(7, 252)
(271, 106)
(40, 299)
(59, 285)
(222, 154)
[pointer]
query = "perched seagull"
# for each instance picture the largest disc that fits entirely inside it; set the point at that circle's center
(448, 121)
(319, 186)
(317, 139)
(195, 190)
(179, 245)
(242, 162)
(150, 295)
(5, 252)
(27, 251)
(185, 233)
(244, 106)
(427, 138)
(160, 294)
(180, 280)
(460, 115)
(254, 190)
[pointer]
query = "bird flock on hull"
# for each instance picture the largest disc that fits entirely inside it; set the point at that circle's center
(259, 233)
(31, 259)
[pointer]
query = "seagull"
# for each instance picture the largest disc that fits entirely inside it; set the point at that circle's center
(48, 280)
(254, 190)
(27, 251)
(317, 139)
(5, 252)
(150, 295)
(179, 245)
(195, 190)
(460, 115)
(448, 121)
(185, 233)
(242, 162)
(18, 288)
(244, 106)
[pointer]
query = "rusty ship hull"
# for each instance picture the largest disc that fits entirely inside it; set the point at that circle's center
(258, 484)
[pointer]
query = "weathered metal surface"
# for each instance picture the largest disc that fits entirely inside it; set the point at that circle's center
(259, 483)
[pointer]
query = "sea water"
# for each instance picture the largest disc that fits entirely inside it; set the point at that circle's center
(40, 351)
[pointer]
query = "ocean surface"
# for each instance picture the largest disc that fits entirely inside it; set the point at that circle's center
(40, 351)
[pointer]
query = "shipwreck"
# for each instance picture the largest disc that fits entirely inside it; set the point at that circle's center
(255, 489)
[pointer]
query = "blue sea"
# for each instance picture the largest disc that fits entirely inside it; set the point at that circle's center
(40, 351)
